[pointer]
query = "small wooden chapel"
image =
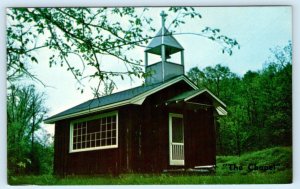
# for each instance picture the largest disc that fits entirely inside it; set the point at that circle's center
(166, 124)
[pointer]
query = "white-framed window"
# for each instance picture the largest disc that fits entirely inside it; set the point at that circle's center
(94, 133)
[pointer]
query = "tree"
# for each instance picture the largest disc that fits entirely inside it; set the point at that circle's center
(108, 89)
(277, 77)
(25, 112)
(216, 79)
(259, 104)
(221, 81)
(87, 33)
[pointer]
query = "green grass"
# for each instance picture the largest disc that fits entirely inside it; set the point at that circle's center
(258, 178)
(278, 155)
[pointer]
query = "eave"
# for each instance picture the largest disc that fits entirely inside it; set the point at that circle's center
(137, 100)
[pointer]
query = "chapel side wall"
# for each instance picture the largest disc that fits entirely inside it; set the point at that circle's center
(143, 139)
(150, 156)
(200, 144)
(155, 129)
(129, 117)
(60, 155)
(104, 161)
(201, 134)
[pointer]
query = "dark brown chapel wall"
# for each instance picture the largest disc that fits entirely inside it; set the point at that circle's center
(199, 139)
(88, 162)
(200, 142)
(60, 147)
(108, 161)
(150, 138)
(153, 117)
(199, 128)
(200, 134)
(204, 131)
(142, 141)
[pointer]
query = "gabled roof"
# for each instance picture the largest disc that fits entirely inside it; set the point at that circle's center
(169, 40)
(193, 93)
(185, 96)
(131, 96)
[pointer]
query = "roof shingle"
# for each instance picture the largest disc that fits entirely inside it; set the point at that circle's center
(106, 100)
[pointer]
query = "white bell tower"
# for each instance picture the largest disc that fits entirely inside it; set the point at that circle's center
(164, 45)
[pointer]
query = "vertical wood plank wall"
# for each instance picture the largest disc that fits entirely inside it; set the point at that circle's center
(142, 129)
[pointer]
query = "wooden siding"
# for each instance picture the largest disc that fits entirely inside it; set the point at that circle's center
(112, 161)
(143, 140)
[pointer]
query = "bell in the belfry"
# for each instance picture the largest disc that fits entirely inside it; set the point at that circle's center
(164, 45)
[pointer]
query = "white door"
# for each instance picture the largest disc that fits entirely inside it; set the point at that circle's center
(176, 139)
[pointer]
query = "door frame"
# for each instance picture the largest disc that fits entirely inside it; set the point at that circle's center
(171, 161)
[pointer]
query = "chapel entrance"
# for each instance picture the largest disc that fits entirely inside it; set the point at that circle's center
(176, 139)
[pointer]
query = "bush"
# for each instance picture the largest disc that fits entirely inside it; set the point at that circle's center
(281, 157)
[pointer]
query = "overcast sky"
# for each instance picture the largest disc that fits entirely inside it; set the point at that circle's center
(257, 29)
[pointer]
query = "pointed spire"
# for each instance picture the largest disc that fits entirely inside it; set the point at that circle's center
(163, 17)
(163, 29)
(163, 37)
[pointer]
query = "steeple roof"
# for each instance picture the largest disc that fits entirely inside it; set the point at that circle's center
(172, 44)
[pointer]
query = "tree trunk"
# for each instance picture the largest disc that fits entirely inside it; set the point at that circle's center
(32, 136)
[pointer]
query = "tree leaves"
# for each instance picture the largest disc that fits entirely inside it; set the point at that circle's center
(88, 33)
(33, 59)
(25, 113)
(259, 104)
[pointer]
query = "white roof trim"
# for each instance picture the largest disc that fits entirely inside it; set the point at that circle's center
(135, 100)
(221, 111)
(139, 102)
(202, 91)
(150, 92)
(87, 111)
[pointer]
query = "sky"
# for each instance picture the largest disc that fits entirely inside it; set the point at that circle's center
(257, 29)
(246, 26)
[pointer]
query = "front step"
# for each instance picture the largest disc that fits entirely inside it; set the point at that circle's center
(196, 169)
(205, 168)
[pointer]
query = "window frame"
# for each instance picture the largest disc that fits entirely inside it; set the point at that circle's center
(90, 118)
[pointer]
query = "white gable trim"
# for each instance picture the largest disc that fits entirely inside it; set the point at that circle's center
(135, 100)
(210, 93)
(150, 92)
(219, 109)
(87, 111)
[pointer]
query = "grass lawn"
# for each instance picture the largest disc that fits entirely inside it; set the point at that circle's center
(259, 178)
(281, 156)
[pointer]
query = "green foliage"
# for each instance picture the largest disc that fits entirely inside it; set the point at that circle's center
(28, 152)
(87, 33)
(259, 104)
(280, 156)
(277, 155)
(108, 89)
(282, 177)
(215, 79)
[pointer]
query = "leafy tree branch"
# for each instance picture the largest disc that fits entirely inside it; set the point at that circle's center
(88, 33)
